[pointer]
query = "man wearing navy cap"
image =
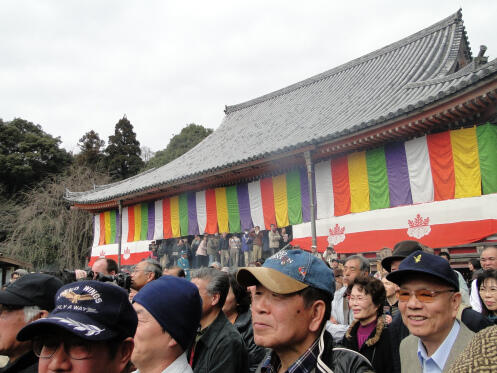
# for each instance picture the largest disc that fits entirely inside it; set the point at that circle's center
(23, 301)
(429, 299)
(290, 306)
(169, 311)
(90, 330)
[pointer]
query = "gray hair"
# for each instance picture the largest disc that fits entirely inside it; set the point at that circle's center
(218, 282)
(30, 312)
(364, 263)
(153, 266)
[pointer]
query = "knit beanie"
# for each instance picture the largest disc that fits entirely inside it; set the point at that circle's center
(176, 305)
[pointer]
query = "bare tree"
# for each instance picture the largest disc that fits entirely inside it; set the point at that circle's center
(46, 231)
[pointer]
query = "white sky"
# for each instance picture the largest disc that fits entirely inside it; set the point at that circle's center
(72, 66)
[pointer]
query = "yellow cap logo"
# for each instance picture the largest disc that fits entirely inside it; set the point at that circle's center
(417, 259)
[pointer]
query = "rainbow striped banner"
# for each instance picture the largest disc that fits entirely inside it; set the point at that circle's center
(448, 165)
(106, 228)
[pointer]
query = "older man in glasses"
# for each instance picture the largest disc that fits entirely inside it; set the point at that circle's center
(90, 330)
(429, 300)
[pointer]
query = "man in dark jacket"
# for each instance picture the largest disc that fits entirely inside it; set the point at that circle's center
(26, 300)
(218, 347)
(290, 305)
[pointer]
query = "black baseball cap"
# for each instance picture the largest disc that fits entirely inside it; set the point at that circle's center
(401, 250)
(421, 262)
(91, 310)
(33, 289)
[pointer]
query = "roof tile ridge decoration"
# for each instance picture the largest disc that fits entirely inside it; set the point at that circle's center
(446, 22)
(467, 70)
(70, 194)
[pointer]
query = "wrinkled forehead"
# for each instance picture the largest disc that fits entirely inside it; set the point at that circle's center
(489, 252)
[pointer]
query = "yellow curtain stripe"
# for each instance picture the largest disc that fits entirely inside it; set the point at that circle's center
(466, 162)
(222, 210)
(280, 200)
(358, 177)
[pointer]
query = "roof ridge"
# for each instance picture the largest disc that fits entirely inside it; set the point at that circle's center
(453, 18)
(469, 69)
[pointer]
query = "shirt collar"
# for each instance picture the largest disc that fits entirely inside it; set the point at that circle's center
(442, 353)
(304, 364)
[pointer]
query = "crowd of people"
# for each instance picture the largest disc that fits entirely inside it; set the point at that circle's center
(296, 311)
(230, 250)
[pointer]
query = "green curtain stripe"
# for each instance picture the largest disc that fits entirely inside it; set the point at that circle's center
(144, 221)
(183, 214)
(379, 196)
(113, 226)
(294, 197)
(487, 150)
(233, 210)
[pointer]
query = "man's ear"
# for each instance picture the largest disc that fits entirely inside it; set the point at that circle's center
(215, 299)
(40, 315)
(124, 353)
(455, 303)
(317, 311)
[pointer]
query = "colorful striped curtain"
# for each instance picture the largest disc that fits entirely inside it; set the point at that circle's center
(453, 164)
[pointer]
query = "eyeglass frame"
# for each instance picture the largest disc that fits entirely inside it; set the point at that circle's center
(433, 293)
(67, 348)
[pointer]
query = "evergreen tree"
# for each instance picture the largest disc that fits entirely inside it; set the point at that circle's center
(189, 136)
(28, 155)
(91, 154)
(123, 151)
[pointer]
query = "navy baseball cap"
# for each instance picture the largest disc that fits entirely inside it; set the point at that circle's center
(91, 310)
(289, 271)
(428, 264)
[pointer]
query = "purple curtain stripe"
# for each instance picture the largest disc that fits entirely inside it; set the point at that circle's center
(151, 221)
(244, 206)
(192, 214)
(398, 175)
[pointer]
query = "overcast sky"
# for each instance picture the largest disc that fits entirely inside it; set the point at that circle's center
(73, 66)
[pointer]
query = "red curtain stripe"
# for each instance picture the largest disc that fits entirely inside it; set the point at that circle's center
(442, 165)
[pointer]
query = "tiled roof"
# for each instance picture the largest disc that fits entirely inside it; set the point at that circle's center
(380, 86)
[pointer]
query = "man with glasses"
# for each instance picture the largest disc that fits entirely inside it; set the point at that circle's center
(144, 272)
(90, 330)
(429, 300)
(341, 315)
(488, 260)
(29, 298)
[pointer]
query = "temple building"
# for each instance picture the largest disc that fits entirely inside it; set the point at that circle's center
(398, 144)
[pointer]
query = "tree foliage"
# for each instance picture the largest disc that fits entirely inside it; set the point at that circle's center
(28, 154)
(45, 231)
(189, 136)
(91, 155)
(123, 151)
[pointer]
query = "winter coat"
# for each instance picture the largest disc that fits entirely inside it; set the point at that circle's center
(377, 348)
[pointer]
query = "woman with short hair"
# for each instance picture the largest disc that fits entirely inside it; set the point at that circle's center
(487, 289)
(368, 333)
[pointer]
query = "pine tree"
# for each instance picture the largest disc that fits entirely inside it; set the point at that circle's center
(123, 151)
(91, 154)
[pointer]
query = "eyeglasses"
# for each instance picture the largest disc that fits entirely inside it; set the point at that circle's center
(76, 348)
(356, 299)
(423, 295)
(488, 290)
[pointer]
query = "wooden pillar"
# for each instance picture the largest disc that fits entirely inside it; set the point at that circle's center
(119, 243)
(310, 183)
